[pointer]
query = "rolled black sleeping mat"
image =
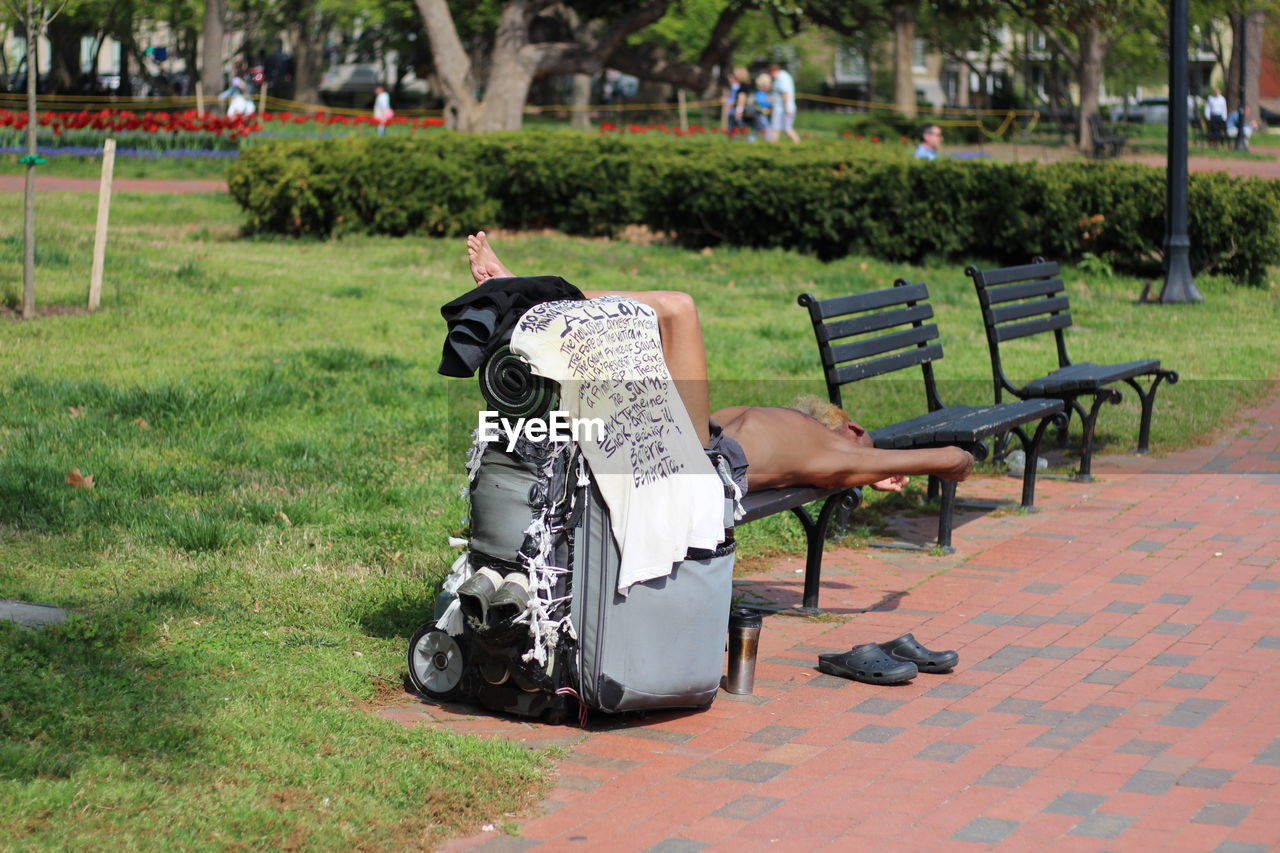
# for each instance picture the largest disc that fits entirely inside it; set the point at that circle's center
(513, 390)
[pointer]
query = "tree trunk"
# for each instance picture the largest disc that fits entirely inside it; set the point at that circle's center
(211, 56)
(190, 53)
(453, 66)
(504, 98)
(1093, 54)
(308, 56)
(64, 55)
(904, 34)
(1250, 52)
(125, 90)
(29, 195)
(581, 118)
(511, 69)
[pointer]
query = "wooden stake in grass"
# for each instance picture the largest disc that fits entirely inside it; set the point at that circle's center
(684, 111)
(100, 234)
(199, 99)
(262, 99)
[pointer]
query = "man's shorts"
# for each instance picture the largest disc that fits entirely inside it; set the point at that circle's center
(732, 453)
(782, 121)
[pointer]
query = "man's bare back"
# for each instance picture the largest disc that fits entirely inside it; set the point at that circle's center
(788, 448)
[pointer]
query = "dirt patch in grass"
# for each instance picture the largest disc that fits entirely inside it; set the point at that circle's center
(14, 315)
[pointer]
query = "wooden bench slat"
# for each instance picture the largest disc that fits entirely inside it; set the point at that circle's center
(1086, 376)
(843, 353)
(841, 305)
(1014, 331)
(1019, 310)
(1023, 290)
(963, 424)
(875, 322)
(757, 505)
(853, 372)
(1005, 275)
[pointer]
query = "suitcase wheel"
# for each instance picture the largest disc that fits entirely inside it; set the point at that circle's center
(438, 664)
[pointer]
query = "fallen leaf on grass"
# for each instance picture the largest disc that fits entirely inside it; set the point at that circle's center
(78, 480)
(76, 411)
(142, 424)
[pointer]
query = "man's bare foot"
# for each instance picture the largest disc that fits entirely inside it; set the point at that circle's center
(484, 261)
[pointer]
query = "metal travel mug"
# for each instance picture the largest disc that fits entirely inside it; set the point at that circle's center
(744, 638)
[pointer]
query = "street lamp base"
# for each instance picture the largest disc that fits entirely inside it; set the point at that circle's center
(1179, 284)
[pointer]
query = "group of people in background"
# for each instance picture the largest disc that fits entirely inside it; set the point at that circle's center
(764, 107)
(1219, 126)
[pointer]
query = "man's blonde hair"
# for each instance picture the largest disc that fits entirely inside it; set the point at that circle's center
(829, 415)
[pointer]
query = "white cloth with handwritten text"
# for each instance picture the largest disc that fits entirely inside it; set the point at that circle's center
(664, 496)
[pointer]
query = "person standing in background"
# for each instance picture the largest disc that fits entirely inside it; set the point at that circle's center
(784, 104)
(382, 112)
(1215, 114)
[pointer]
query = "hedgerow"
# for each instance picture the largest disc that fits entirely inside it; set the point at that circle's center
(829, 199)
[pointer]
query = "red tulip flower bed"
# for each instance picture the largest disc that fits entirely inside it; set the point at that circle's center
(164, 129)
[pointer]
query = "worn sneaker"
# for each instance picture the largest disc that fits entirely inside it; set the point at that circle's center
(511, 599)
(475, 596)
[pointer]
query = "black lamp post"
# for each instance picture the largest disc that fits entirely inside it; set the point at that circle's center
(1179, 284)
(1242, 51)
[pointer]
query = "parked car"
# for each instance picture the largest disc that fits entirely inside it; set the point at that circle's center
(1147, 111)
(352, 84)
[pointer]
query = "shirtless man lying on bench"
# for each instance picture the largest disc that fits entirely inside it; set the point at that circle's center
(821, 447)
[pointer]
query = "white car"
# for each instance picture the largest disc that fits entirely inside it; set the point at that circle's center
(352, 84)
(1147, 111)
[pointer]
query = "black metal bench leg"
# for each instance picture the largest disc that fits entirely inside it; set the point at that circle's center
(1148, 399)
(1066, 421)
(1032, 450)
(1106, 395)
(815, 537)
(945, 514)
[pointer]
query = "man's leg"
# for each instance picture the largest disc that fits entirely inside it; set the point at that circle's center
(678, 324)
(682, 349)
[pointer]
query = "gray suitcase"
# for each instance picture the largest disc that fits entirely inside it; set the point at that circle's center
(662, 645)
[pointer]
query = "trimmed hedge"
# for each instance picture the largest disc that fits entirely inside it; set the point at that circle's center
(829, 199)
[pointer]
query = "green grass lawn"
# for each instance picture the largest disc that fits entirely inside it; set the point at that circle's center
(125, 167)
(274, 485)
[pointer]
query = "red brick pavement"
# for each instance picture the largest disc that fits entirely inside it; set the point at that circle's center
(1119, 688)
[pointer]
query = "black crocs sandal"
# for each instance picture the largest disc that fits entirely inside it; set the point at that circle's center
(905, 648)
(867, 663)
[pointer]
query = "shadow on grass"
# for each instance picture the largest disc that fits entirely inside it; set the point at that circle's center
(75, 692)
(400, 616)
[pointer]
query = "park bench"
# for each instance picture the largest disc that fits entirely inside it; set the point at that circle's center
(1027, 300)
(758, 505)
(1104, 144)
(872, 334)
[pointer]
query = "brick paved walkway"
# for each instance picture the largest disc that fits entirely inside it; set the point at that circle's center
(1119, 688)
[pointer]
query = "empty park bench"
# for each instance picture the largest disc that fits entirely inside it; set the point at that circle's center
(1027, 300)
(1104, 144)
(872, 334)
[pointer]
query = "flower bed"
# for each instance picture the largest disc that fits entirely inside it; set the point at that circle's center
(144, 153)
(174, 131)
